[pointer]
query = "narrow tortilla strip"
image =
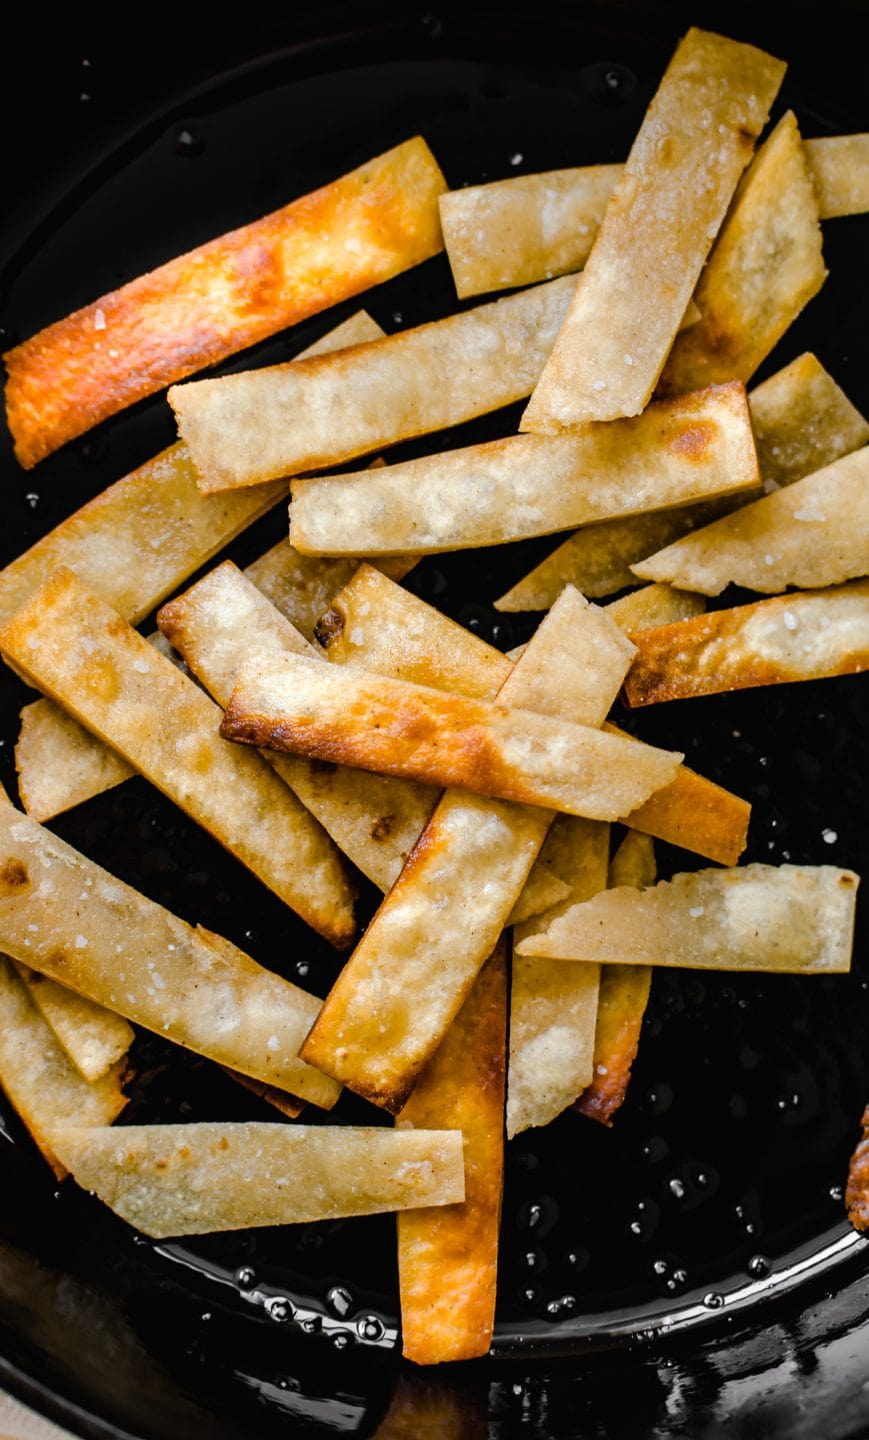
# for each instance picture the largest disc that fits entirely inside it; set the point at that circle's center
(244, 429)
(808, 635)
(840, 170)
(553, 1006)
(693, 448)
(654, 605)
(448, 1258)
(402, 987)
(60, 764)
(857, 1191)
(127, 953)
(802, 420)
(93, 1037)
(200, 1178)
(763, 269)
(80, 652)
(624, 995)
(793, 918)
(696, 814)
(693, 144)
(543, 889)
(223, 296)
(40, 1079)
(302, 586)
(812, 534)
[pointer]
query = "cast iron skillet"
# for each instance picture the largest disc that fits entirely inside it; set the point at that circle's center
(692, 1266)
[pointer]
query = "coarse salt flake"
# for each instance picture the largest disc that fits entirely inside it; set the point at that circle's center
(789, 620)
(100, 319)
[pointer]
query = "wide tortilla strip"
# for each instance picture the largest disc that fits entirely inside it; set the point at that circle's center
(199, 1178)
(223, 296)
(40, 1079)
(624, 995)
(811, 534)
(125, 952)
(402, 987)
(807, 635)
(448, 1258)
(840, 170)
(857, 1191)
(93, 1037)
(785, 918)
(693, 448)
(81, 653)
(695, 140)
(763, 269)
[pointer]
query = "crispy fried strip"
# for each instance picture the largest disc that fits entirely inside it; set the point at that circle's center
(127, 953)
(763, 269)
(624, 994)
(40, 1079)
(796, 918)
(79, 651)
(93, 1037)
(812, 534)
(840, 170)
(857, 1192)
(222, 297)
(653, 605)
(692, 448)
(199, 1178)
(692, 146)
(448, 1258)
(302, 586)
(804, 636)
(60, 764)
(543, 889)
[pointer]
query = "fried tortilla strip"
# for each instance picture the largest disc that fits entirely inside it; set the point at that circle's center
(93, 1037)
(82, 654)
(624, 995)
(808, 635)
(127, 953)
(763, 269)
(840, 170)
(694, 143)
(857, 1192)
(812, 534)
(276, 1098)
(40, 1079)
(60, 764)
(302, 586)
(244, 429)
(794, 918)
(654, 605)
(696, 814)
(200, 1178)
(394, 727)
(407, 979)
(543, 889)
(448, 1258)
(227, 294)
(693, 448)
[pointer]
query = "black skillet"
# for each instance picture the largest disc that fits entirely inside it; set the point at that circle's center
(691, 1271)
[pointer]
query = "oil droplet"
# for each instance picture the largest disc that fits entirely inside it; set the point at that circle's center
(341, 1340)
(187, 144)
(340, 1300)
(713, 1301)
(561, 1308)
(280, 1310)
(302, 969)
(836, 1193)
(758, 1266)
(370, 1328)
(676, 1187)
(313, 1325)
(245, 1277)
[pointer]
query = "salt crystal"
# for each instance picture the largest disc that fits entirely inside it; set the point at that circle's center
(829, 836)
(516, 159)
(598, 384)
(790, 621)
(809, 515)
(80, 942)
(357, 636)
(602, 1070)
(696, 911)
(100, 319)
(768, 560)
(353, 245)
(629, 359)
(273, 1043)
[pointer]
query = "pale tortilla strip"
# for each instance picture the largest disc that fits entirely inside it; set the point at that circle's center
(624, 995)
(127, 953)
(80, 652)
(302, 586)
(543, 889)
(40, 1079)
(794, 918)
(807, 635)
(200, 1178)
(840, 170)
(654, 605)
(244, 429)
(407, 978)
(812, 534)
(60, 764)
(693, 448)
(93, 1037)
(763, 269)
(227, 294)
(448, 1258)
(693, 144)
(857, 1191)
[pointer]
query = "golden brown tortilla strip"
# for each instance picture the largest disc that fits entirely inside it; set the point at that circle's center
(794, 918)
(857, 1191)
(40, 1079)
(693, 144)
(812, 534)
(127, 953)
(93, 1037)
(696, 814)
(223, 296)
(808, 635)
(763, 269)
(83, 655)
(60, 764)
(448, 1258)
(199, 1178)
(840, 170)
(624, 995)
(302, 586)
(244, 429)
(694, 448)
(654, 605)
(802, 420)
